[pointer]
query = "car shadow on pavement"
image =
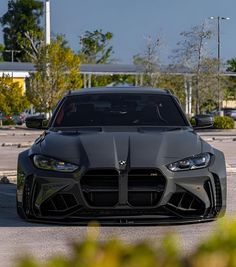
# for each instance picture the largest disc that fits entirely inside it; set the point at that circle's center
(8, 214)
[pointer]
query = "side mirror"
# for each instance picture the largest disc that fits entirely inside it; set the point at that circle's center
(35, 122)
(203, 121)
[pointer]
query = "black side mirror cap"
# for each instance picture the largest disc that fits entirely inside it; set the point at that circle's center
(203, 121)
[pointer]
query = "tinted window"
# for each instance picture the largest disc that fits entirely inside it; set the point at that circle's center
(119, 110)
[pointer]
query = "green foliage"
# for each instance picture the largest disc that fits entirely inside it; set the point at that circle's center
(11, 96)
(230, 91)
(191, 54)
(114, 253)
(8, 122)
(21, 29)
(209, 104)
(219, 250)
(223, 122)
(95, 47)
(100, 80)
(192, 121)
(1, 52)
(173, 83)
(57, 72)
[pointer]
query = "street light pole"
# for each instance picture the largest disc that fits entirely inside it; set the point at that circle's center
(47, 23)
(218, 18)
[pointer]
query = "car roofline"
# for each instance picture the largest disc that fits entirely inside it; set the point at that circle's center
(127, 89)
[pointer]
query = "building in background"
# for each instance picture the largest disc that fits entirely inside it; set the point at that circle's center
(18, 71)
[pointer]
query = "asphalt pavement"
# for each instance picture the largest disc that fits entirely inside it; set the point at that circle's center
(18, 237)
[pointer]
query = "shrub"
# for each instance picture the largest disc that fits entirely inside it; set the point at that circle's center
(8, 122)
(192, 121)
(219, 250)
(223, 122)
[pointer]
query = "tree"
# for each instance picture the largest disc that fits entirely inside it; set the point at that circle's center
(95, 48)
(150, 61)
(230, 92)
(57, 71)
(173, 83)
(191, 51)
(12, 99)
(207, 81)
(21, 29)
(1, 52)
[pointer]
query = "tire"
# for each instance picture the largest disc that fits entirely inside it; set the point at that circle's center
(20, 211)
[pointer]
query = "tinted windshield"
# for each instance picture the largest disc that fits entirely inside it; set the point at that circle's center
(119, 110)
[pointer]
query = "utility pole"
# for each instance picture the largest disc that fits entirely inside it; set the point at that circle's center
(218, 18)
(47, 23)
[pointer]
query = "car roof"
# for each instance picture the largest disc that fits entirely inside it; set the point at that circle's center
(114, 89)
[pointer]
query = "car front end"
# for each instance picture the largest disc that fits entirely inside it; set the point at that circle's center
(120, 156)
(142, 189)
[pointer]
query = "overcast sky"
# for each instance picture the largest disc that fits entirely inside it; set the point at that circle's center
(132, 21)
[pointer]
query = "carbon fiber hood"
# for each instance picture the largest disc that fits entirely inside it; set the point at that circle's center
(105, 149)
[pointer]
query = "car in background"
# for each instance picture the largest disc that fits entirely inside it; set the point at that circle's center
(31, 112)
(17, 119)
(230, 112)
(233, 114)
(120, 156)
(28, 113)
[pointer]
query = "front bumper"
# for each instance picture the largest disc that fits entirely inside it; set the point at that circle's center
(137, 196)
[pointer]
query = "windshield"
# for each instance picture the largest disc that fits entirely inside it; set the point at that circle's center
(119, 110)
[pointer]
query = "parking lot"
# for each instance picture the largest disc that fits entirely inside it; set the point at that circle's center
(43, 240)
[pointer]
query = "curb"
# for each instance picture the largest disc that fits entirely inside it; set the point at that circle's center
(219, 138)
(19, 145)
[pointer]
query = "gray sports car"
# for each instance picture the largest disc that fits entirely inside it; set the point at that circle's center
(120, 156)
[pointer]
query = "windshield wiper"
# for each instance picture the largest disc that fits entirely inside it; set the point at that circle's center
(79, 129)
(161, 128)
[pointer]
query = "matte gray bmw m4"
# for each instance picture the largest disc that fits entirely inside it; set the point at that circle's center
(120, 156)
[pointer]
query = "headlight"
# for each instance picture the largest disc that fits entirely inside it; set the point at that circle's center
(195, 162)
(46, 163)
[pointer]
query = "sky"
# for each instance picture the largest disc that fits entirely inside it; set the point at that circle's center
(133, 21)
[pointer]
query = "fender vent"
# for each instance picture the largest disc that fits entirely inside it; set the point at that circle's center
(184, 203)
(218, 193)
(59, 204)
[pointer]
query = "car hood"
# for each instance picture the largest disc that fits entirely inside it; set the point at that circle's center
(106, 149)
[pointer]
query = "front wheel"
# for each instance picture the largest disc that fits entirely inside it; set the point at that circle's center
(20, 211)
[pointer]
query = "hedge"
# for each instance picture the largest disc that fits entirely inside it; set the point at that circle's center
(8, 122)
(223, 122)
(219, 250)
